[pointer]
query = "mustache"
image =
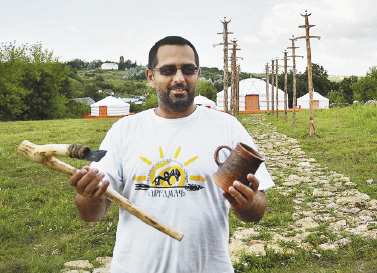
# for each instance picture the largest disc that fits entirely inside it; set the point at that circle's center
(180, 85)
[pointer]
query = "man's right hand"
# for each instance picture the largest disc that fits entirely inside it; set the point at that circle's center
(86, 183)
(90, 199)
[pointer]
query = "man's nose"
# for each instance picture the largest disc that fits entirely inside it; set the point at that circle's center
(179, 77)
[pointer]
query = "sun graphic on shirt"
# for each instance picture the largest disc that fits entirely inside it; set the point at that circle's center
(167, 173)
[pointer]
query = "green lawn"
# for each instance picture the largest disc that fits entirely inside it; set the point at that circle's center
(40, 228)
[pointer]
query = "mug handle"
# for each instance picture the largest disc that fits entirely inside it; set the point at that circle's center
(217, 154)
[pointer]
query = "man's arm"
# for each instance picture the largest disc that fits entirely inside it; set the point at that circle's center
(90, 200)
(248, 203)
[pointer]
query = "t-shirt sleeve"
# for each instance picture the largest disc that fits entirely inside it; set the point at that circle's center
(111, 163)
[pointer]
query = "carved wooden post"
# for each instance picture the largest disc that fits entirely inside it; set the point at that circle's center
(310, 80)
(225, 43)
(238, 90)
(277, 87)
(272, 85)
(293, 47)
(285, 85)
(233, 102)
(267, 89)
(233, 79)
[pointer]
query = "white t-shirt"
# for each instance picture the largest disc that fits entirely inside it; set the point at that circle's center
(165, 167)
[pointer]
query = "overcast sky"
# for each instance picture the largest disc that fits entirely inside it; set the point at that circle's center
(109, 29)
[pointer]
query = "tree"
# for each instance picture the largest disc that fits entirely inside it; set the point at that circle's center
(31, 80)
(345, 88)
(121, 65)
(336, 96)
(77, 63)
(91, 91)
(13, 64)
(366, 87)
(95, 64)
(152, 101)
(44, 77)
(207, 90)
(321, 82)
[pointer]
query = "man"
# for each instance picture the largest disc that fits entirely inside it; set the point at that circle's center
(162, 160)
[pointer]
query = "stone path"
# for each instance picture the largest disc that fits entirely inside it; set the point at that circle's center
(328, 210)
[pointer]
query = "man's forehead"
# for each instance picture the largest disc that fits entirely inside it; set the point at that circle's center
(176, 53)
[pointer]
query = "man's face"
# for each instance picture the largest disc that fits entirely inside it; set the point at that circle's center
(175, 92)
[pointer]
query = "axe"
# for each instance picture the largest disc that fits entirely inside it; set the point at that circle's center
(44, 154)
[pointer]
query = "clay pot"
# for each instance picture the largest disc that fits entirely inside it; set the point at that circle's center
(241, 161)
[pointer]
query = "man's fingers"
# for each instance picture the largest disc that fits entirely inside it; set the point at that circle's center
(74, 179)
(254, 182)
(100, 191)
(94, 178)
(234, 204)
(86, 182)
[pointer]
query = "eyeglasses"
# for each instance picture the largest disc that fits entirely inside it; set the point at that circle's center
(170, 70)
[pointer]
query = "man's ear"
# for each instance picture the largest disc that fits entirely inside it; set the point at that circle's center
(149, 74)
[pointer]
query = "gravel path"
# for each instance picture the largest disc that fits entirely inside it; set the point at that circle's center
(328, 210)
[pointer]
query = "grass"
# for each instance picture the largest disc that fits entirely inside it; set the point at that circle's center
(39, 226)
(111, 77)
(347, 144)
(40, 229)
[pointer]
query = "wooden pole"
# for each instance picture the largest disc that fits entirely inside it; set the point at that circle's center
(233, 102)
(285, 85)
(293, 47)
(225, 43)
(267, 89)
(233, 79)
(272, 85)
(238, 90)
(310, 79)
(277, 87)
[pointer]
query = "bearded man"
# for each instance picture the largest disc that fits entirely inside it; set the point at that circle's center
(173, 144)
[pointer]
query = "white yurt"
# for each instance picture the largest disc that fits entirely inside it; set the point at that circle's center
(110, 106)
(253, 96)
(319, 101)
(204, 101)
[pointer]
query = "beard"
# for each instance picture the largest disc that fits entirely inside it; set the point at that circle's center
(176, 102)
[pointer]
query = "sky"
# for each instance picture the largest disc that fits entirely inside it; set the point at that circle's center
(106, 30)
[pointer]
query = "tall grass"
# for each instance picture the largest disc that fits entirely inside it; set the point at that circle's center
(39, 225)
(346, 140)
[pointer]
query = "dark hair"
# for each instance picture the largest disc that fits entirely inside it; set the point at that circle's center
(169, 40)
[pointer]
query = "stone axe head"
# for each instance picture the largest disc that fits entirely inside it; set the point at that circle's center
(44, 154)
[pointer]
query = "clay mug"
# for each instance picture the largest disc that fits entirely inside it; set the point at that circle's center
(241, 161)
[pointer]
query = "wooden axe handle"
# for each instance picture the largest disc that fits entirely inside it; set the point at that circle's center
(43, 156)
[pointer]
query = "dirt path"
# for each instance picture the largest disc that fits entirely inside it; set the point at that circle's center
(328, 210)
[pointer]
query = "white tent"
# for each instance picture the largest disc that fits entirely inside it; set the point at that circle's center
(204, 101)
(253, 96)
(110, 106)
(319, 101)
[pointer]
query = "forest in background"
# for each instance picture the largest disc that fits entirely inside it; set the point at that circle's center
(35, 85)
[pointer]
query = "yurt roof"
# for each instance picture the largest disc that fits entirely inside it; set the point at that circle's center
(252, 86)
(316, 96)
(110, 101)
(203, 100)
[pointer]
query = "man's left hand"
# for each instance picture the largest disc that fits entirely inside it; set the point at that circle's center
(247, 201)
